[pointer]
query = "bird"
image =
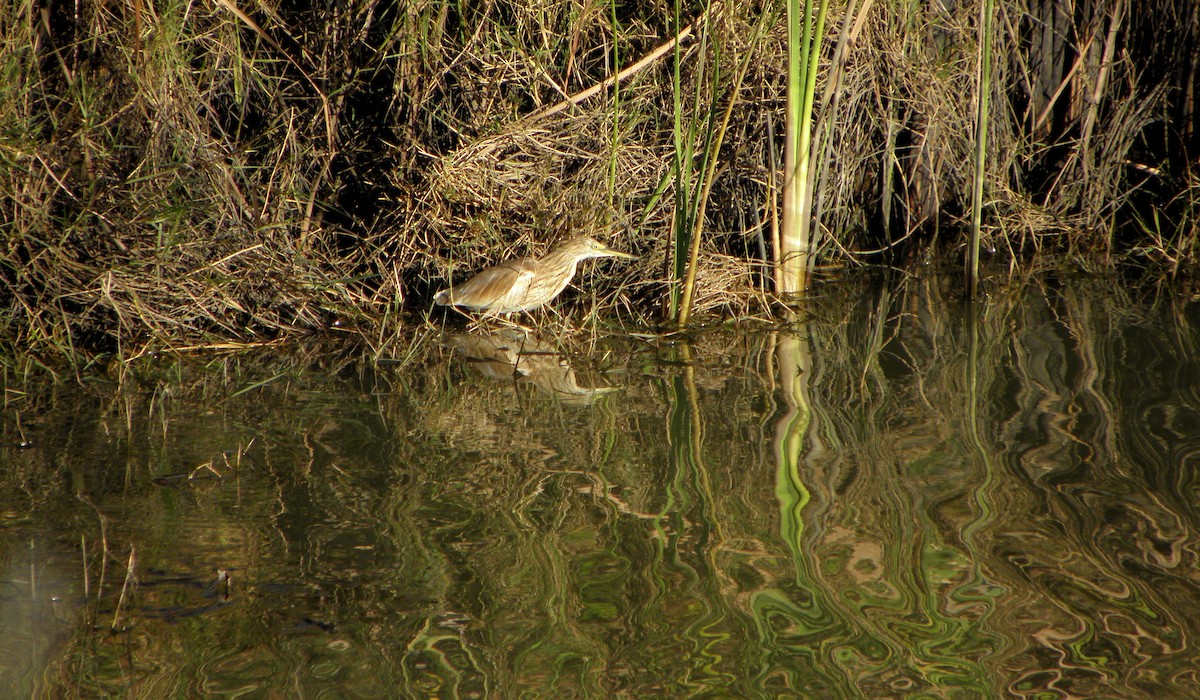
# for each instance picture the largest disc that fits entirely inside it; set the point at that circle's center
(525, 284)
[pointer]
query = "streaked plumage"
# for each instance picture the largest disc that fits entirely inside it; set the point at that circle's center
(525, 284)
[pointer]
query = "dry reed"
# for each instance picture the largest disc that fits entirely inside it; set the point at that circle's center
(176, 174)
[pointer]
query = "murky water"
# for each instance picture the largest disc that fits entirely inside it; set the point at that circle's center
(895, 497)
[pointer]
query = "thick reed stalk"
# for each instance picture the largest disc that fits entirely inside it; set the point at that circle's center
(804, 51)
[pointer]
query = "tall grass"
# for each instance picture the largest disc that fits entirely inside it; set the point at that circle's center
(983, 96)
(685, 133)
(712, 158)
(176, 174)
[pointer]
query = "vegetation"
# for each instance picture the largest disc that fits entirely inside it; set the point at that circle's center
(939, 505)
(179, 173)
(794, 252)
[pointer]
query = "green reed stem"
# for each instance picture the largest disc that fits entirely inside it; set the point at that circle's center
(981, 124)
(804, 52)
(710, 175)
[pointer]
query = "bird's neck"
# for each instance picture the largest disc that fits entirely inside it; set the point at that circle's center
(566, 262)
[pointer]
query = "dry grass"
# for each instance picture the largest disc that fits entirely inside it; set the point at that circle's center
(174, 174)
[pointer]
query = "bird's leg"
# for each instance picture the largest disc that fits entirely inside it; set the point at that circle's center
(520, 352)
(477, 324)
(507, 321)
(563, 327)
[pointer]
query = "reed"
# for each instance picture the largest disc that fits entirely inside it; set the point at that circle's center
(710, 175)
(805, 37)
(983, 96)
(175, 175)
(686, 131)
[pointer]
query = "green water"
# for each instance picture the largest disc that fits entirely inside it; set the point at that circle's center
(896, 496)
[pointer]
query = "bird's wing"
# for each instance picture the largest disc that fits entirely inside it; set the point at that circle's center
(495, 286)
(520, 287)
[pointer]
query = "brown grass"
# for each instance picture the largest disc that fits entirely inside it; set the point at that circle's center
(179, 174)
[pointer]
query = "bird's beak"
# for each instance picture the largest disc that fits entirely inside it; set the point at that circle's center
(618, 254)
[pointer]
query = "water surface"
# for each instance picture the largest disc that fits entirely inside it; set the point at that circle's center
(895, 496)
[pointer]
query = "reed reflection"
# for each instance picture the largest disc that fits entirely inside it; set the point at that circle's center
(892, 499)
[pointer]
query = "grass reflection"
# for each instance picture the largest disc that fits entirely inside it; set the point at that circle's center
(890, 499)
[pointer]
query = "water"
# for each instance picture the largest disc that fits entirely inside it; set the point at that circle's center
(894, 497)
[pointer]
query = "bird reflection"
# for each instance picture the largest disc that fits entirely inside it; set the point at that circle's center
(511, 354)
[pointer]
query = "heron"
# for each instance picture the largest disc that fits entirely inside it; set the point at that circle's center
(525, 284)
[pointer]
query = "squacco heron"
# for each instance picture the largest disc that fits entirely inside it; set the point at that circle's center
(525, 284)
